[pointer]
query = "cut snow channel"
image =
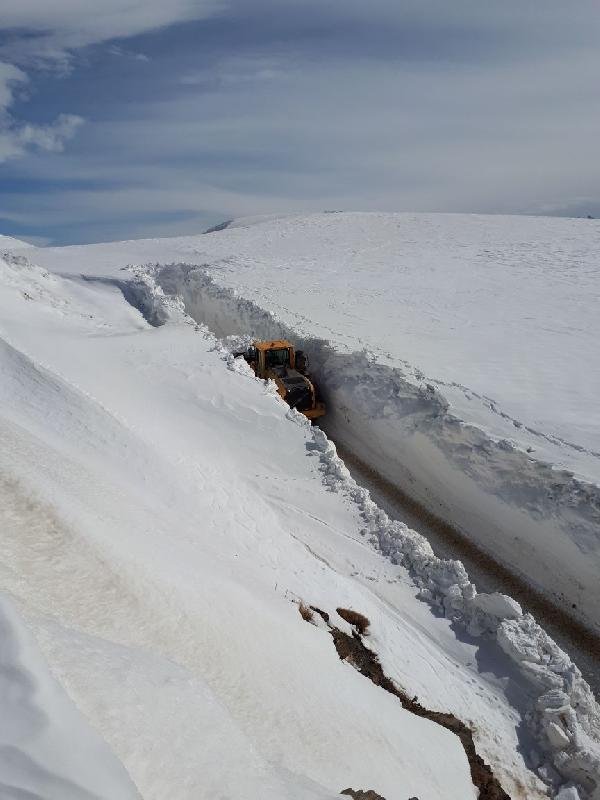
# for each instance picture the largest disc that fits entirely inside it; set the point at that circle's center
(124, 470)
(528, 516)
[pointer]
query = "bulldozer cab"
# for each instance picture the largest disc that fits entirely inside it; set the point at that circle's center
(274, 356)
(278, 360)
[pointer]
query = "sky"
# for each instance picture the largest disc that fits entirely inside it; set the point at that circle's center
(148, 118)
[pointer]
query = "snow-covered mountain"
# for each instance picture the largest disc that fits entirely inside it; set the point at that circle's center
(164, 514)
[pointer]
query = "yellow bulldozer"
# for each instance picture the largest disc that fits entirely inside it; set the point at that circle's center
(288, 367)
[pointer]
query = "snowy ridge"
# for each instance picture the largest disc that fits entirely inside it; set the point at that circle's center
(10, 243)
(524, 512)
(564, 717)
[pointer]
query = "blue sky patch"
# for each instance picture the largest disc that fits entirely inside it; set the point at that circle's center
(148, 120)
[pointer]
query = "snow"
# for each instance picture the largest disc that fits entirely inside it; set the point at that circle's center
(165, 512)
(475, 302)
(10, 243)
(47, 749)
(156, 559)
(430, 337)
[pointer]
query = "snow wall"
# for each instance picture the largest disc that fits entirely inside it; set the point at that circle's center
(542, 524)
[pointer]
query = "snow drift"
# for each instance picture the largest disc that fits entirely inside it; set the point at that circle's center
(564, 719)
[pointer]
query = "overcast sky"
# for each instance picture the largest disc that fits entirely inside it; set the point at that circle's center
(154, 118)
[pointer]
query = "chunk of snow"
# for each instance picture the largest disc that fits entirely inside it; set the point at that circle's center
(498, 605)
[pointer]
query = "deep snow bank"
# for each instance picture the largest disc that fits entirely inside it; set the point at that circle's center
(241, 262)
(526, 514)
(477, 396)
(498, 312)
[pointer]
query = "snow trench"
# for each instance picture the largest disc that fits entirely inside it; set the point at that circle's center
(368, 402)
(524, 513)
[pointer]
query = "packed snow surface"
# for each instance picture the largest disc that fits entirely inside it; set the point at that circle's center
(163, 512)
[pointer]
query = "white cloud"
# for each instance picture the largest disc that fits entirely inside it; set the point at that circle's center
(121, 52)
(10, 76)
(9, 146)
(422, 139)
(267, 121)
(50, 137)
(15, 138)
(54, 30)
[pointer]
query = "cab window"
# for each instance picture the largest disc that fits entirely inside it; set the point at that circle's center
(277, 358)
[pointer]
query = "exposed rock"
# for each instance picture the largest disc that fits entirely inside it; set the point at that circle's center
(359, 794)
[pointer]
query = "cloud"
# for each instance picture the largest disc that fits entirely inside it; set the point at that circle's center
(231, 71)
(15, 138)
(38, 34)
(58, 28)
(10, 78)
(51, 137)
(363, 136)
(121, 52)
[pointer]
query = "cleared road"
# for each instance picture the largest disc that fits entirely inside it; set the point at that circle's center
(580, 643)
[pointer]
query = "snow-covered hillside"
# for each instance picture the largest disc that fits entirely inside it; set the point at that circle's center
(10, 243)
(456, 353)
(163, 513)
